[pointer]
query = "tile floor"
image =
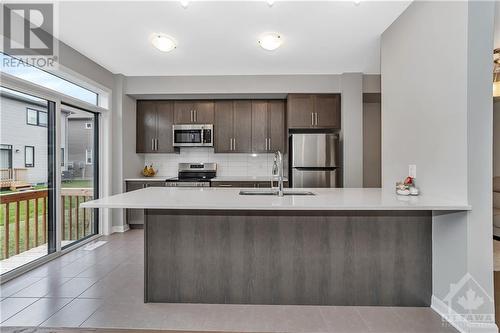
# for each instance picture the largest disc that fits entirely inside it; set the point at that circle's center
(103, 288)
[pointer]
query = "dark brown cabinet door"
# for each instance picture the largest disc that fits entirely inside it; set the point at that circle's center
(276, 132)
(242, 127)
(165, 120)
(327, 108)
(184, 112)
(260, 127)
(204, 112)
(223, 126)
(300, 108)
(145, 126)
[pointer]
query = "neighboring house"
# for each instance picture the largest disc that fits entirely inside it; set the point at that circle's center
(23, 136)
(80, 144)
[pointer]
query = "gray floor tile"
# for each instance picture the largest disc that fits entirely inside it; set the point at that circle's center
(41, 287)
(11, 306)
(73, 314)
(13, 286)
(37, 313)
(144, 316)
(382, 319)
(232, 318)
(343, 319)
(419, 320)
(72, 288)
(97, 271)
(305, 319)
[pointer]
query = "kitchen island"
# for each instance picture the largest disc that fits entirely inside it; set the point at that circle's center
(336, 247)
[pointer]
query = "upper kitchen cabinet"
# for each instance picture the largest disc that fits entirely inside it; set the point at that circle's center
(154, 127)
(194, 112)
(233, 127)
(313, 111)
(268, 126)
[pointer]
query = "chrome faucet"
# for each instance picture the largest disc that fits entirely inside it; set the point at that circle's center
(278, 170)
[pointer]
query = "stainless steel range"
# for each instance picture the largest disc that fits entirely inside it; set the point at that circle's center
(193, 175)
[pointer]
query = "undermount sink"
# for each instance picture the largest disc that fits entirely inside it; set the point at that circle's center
(269, 192)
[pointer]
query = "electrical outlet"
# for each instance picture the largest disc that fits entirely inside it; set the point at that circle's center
(412, 171)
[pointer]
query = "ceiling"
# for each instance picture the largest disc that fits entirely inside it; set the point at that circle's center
(220, 38)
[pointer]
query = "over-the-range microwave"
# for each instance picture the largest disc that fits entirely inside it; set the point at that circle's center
(193, 135)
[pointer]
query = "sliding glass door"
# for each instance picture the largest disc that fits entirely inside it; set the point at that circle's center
(27, 178)
(79, 173)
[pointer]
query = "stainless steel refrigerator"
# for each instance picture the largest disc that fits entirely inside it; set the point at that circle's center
(314, 160)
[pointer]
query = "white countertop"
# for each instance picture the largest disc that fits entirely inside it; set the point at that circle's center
(216, 179)
(214, 198)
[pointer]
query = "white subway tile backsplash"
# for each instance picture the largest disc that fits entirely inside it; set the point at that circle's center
(227, 164)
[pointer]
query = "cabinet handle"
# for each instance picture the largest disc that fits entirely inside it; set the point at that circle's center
(312, 118)
(224, 185)
(195, 116)
(152, 144)
(230, 143)
(269, 144)
(234, 144)
(191, 114)
(317, 117)
(156, 144)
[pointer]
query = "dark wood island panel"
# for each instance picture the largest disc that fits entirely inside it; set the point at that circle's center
(289, 257)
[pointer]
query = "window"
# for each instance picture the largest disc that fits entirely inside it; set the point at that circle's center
(29, 156)
(36, 117)
(62, 156)
(42, 119)
(17, 68)
(88, 156)
(5, 156)
(32, 117)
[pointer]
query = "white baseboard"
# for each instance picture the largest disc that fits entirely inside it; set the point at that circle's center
(120, 228)
(461, 324)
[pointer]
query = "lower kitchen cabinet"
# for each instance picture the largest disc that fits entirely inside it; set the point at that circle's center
(135, 217)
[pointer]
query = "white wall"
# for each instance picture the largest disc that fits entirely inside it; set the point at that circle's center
(436, 113)
(352, 128)
(424, 99)
(125, 162)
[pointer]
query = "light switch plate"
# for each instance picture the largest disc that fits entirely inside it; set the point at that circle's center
(412, 170)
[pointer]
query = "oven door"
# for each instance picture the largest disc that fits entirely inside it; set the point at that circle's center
(188, 137)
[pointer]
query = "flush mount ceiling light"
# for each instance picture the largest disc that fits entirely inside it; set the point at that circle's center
(357, 2)
(163, 42)
(270, 41)
(270, 3)
(184, 3)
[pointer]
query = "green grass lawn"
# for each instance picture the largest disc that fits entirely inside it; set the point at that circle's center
(31, 209)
